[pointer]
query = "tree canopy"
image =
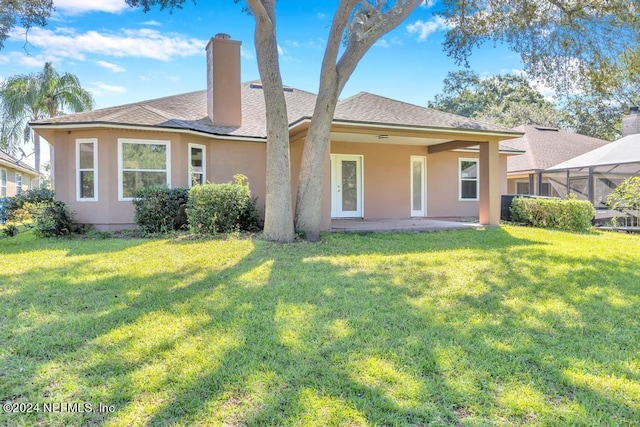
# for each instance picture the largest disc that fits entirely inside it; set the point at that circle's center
(507, 100)
(565, 43)
(28, 97)
(27, 13)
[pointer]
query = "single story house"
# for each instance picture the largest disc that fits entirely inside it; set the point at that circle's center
(387, 158)
(15, 176)
(543, 147)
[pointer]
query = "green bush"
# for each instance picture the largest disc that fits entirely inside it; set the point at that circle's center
(38, 209)
(160, 209)
(222, 208)
(23, 207)
(569, 214)
(53, 220)
(626, 196)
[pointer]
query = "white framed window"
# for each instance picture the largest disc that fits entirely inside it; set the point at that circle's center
(87, 170)
(468, 183)
(3, 183)
(18, 183)
(142, 163)
(197, 164)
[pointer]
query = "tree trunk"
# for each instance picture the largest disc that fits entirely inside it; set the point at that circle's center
(278, 221)
(310, 184)
(333, 77)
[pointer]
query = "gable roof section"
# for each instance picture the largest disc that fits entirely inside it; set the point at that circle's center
(188, 112)
(10, 161)
(624, 150)
(545, 147)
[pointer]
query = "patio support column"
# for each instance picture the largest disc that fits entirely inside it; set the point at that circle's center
(489, 183)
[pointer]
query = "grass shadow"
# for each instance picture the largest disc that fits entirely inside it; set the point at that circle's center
(438, 328)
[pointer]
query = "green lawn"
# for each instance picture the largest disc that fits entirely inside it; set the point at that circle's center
(505, 326)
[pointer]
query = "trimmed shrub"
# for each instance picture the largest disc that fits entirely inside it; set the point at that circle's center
(160, 209)
(53, 220)
(222, 208)
(569, 214)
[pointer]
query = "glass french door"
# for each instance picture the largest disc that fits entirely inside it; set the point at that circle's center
(346, 186)
(418, 186)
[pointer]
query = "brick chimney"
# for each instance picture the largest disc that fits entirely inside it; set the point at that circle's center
(631, 123)
(224, 106)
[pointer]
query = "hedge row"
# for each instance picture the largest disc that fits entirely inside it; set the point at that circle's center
(568, 214)
(205, 209)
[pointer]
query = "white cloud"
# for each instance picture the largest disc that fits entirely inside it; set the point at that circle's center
(317, 43)
(285, 57)
(100, 88)
(152, 23)
(321, 15)
(139, 43)
(424, 29)
(387, 43)
(428, 4)
(110, 66)
(26, 60)
(75, 7)
(246, 53)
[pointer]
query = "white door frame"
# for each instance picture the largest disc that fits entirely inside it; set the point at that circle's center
(422, 212)
(336, 186)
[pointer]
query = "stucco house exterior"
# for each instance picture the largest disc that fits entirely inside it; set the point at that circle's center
(15, 176)
(387, 158)
(543, 147)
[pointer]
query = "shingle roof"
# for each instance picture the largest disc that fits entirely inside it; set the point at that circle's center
(367, 107)
(189, 111)
(545, 147)
(6, 159)
(624, 150)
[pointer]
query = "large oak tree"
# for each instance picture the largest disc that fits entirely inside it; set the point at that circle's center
(355, 27)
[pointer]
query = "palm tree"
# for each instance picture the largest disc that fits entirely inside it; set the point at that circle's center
(29, 97)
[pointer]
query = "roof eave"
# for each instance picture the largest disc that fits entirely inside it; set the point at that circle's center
(109, 125)
(355, 123)
(20, 167)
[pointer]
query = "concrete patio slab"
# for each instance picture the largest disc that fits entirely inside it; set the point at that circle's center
(398, 225)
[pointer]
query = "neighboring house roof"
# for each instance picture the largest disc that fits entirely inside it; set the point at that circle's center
(189, 112)
(10, 161)
(621, 151)
(545, 147)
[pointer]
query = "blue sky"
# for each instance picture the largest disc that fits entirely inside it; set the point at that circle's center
(123, 55)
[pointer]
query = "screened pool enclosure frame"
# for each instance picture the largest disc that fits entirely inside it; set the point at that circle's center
(593, 183)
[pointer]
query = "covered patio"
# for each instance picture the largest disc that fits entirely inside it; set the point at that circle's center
(401, 225)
